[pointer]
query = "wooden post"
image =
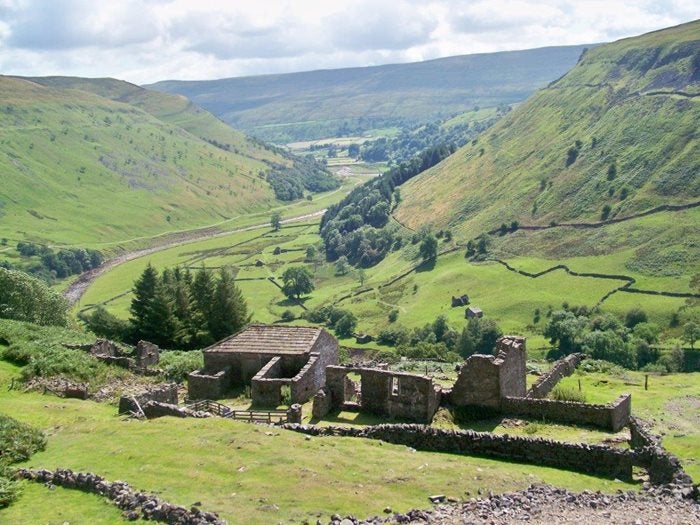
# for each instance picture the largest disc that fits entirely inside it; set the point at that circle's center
(579, 385)
(646, 381)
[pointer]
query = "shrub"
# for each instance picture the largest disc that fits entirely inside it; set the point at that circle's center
(393, 316)
(561, 393)
(287, 316)
(286, 395)
(345, 326)
(176, 365)
(18, 441)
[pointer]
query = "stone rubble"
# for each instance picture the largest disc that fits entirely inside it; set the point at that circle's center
(672, 504)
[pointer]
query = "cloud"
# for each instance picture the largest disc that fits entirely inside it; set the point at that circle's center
(373, 25)
(149, 40)
(68, 24)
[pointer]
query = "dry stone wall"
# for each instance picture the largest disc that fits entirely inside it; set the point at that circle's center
(600, 460)
(134, 504)
(560, 369)
(208, 385)
(612, 416)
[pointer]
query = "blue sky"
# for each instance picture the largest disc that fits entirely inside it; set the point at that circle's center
(148, 40)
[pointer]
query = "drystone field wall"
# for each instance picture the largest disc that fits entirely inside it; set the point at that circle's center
(600, 460)
(163, 394)
(134, 504)
(663, 466)
(562, 368)
(612, 416)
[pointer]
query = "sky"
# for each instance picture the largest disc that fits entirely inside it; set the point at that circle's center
(144, 41)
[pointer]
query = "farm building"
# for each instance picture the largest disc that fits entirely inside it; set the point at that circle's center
(267, 357)
(473, 312)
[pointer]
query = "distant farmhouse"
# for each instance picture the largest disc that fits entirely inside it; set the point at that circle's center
(267, 357)
(473, 312)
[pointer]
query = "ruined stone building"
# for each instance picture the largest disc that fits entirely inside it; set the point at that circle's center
(267, 357)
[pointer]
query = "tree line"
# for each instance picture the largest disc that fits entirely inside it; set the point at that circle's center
(305, 173)
(177, 308)
(49, 265)
(356, 226)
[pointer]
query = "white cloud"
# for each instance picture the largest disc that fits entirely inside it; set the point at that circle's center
(149, 40)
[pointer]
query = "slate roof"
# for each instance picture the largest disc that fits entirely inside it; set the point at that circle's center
(269, 339)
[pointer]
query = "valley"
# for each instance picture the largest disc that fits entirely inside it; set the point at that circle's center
(445, 277)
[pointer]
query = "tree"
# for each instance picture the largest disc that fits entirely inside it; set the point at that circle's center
(345, 326)
(105, 324)
(361, 276)
(565, 330)
(144, 293)
(276, 221)
(341, 265)
(26, 298)
(635, 316)
(428, 248)
(609, 346)
(310, 253)
(691, 333)
(201, 293)
(229, 312)
(297, 282)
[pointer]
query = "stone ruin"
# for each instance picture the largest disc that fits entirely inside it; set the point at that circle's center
(485, 379)
(140, 360)
(462, 300)
(494, 382)
(267, 358)
(382, 392)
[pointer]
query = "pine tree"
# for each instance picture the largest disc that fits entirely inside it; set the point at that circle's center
(229, 310)
(144, 292)
(201, 294)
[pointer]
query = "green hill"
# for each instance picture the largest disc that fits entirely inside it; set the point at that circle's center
(86, 161)
(326, 103)
(614, 137)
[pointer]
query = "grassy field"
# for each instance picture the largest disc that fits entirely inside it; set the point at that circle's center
(507, 297)
(248, 473)
(671, 404)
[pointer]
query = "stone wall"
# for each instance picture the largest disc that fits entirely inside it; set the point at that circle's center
(154, 409)
(560, 369)
(134, 504)
(147, 354)
(307, 382)
(391, 394)
(484, 379)
(663, 467)
(208, 385)
(612, 416)
(266, 386)
(600, 460)
(166, 393)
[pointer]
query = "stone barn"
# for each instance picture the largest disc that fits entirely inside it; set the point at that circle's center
(267, 357)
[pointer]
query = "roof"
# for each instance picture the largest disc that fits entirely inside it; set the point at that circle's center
(474, 309)
(269, 339)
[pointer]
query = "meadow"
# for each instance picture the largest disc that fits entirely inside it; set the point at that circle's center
(247, 473)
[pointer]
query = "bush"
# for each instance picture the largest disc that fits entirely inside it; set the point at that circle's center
(562, 393)
(287, 316)
(176, 365)
(345, 326)
(25, 298)
(18, 441)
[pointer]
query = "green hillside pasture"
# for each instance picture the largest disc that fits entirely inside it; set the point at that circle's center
(248, 473)
(672, 405)
(37, 504)
(507, 298)
(659, 251)
(113, 165)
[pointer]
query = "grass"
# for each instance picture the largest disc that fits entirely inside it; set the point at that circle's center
(249, 474)
(517, 170)
(671, 404)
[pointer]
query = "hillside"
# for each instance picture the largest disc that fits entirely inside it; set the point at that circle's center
(316, 104)
(616, 136)
(126, 161)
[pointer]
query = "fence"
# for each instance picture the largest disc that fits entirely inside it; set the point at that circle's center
(252, 416)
